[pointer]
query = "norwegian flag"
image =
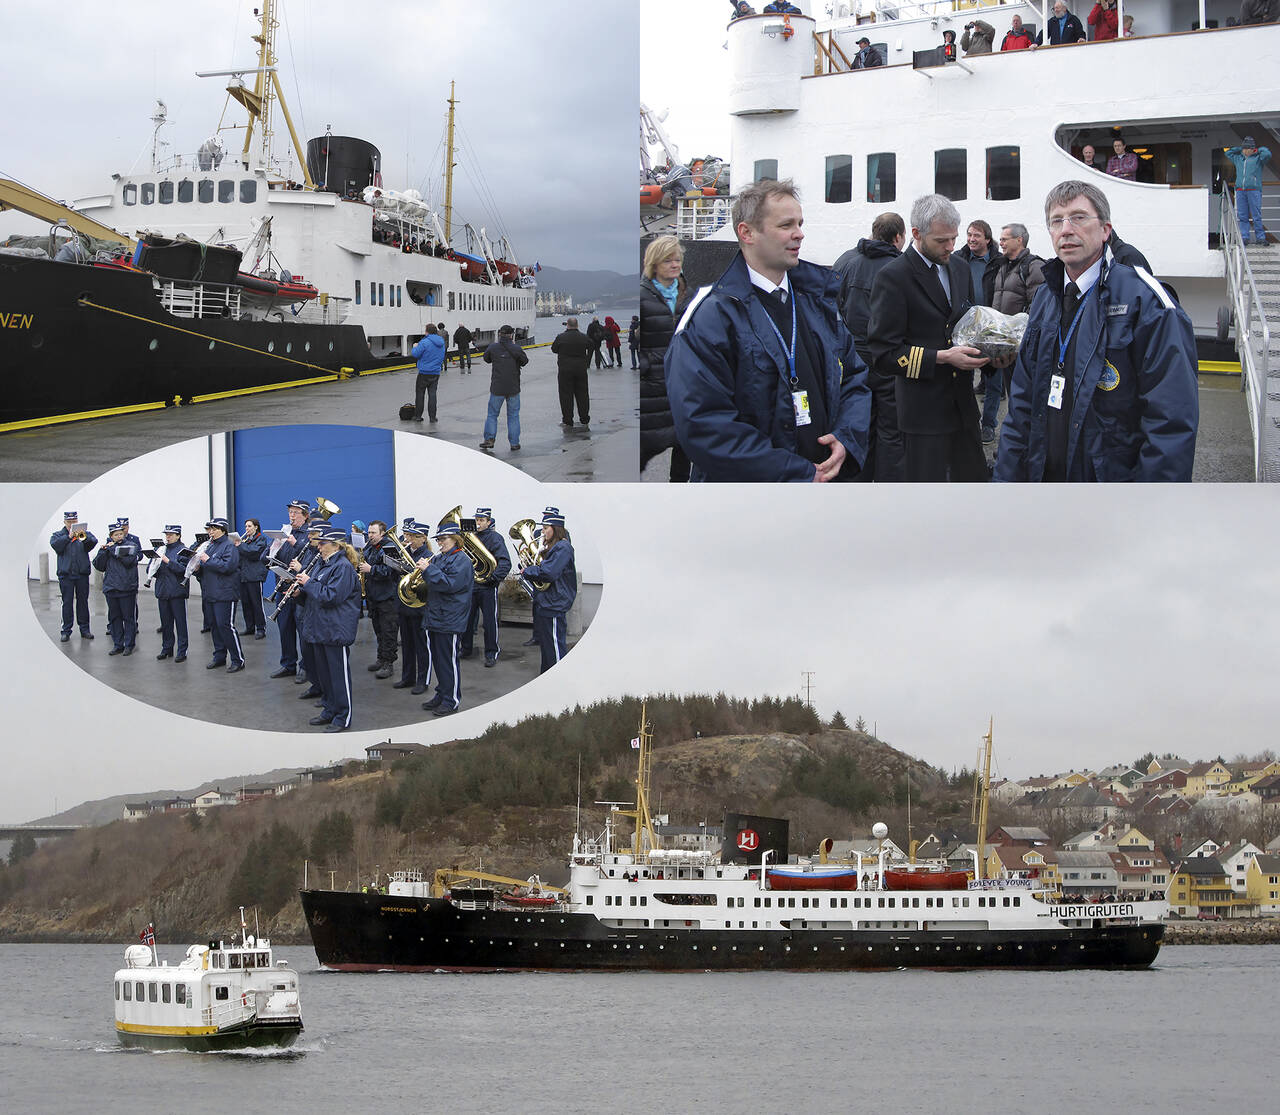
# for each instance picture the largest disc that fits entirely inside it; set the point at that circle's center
(148, 936)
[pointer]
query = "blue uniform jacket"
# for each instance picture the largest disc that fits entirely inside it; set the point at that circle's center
(429, 353)
(556, 566)
(727, 379)
(251, 567)
(449, 581)
(220, 573)
(119, 567)
(73, 555)
(497, 546)
(333, 602)
(1137, 401)
(169, 583)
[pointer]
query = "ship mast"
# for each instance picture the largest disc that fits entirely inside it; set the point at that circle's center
(448, 173)
(982, 802)
(640, 814)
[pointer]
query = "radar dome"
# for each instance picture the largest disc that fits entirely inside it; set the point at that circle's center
(879, 830)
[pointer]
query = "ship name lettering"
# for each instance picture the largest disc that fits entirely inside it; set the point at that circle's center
(398, 909)
(1112, 910)
(16, 320)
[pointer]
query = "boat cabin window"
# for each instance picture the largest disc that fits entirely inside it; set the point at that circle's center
(357, 292)
(951, 173)
(882, 177)
(450, 300)
(148, 193)
(234, 959)
(226, 190)
(186, 190)
(166, 992)
(180, 993)
(1004, 178)
(153, 993)
(590, 900)
(206, 190)
(839, 179)
(221, 994)
(248, 190)
(139, 992)
(765, 168)
(423, 294)
(381, 294)
(131, 194)
(166, 193)
(118, 992)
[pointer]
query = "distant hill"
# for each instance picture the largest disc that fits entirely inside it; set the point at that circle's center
(587, 286)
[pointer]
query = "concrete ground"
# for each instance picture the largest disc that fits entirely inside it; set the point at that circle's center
(251, 699)
(607, 450)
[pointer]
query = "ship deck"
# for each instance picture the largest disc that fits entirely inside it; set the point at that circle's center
(608, 451)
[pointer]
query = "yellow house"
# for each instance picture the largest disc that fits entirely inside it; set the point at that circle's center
(1133, 838)
(1251, 774)
(1262, 885)
(1203, 777)
(1200, 886)
(1007, 862)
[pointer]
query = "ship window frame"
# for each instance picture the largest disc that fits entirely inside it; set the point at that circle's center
(147, 194)
(186, 191)
(166, 992)
(128, 991)
(357, 292)
(1007, 176)
(838, 180)
(248, 191)
(139, 995)
(117, 990)
(954, 179)
(165, 194)
(153, 992)
(590, 900)
(885, 177)
(221, 992)
(205, 191)
(450, 300)
(759, 170)
(226, 191)
(129, 195)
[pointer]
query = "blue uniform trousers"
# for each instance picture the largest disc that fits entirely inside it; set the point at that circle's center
(484, 603)
(226, 640)
(332, 673)
(287, 625)
(251, 601)
(308, 660)
(550, 629)
(173, 619)
(75, 597)
(122, 618)
(444, 649)
(415, 663)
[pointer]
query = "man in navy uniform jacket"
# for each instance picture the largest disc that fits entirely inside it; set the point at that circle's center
(333, 613)
(484, 597)
(73, 573)
(172, 590)
(117, 561)
(287, 620)
(551, 606)
(450, 577)
(220, 585)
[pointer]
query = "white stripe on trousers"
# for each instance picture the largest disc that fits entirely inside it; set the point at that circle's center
(346, 675)
(457, 672)
(235, 634)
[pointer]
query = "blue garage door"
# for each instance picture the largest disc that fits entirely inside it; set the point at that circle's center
(353, 466)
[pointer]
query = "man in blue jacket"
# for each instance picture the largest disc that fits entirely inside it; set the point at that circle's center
(763, 378)
(450, 576)
(73, 544)
(484, 596)
(332, 616)
(220, 586)
(1249, 159)
(117, 561)
(1104, 387)
(556, 565)
(429, 353)
(290, 548)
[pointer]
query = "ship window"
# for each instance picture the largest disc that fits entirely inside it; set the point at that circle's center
(206, 190)
(839, 179)
(131, 195)
(152, 994)
(186, 190)
(138, 992)
(1004, 177)
(382, 294)
(644, 900)
(882, 177)
(633, 900)
(166, 193)
(220, 993)
(1006, 902)
(357, 292)
(450, 299)
(248, 190)
(180, 993)
(128, 992)
(148, 193)
(765, 168)
(950, 173)
(226, 190)
(590, 901)
(166, 992)
(235, 957)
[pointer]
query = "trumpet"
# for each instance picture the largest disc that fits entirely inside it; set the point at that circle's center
(528, 542)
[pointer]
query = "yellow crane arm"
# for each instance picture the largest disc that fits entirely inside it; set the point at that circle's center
(448, 875)
(24, 200)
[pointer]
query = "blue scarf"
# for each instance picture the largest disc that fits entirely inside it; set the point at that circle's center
(668, 292)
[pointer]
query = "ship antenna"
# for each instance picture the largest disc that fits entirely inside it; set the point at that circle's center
(982, 802)
(577, 816)
(448, 171)
(243, 936)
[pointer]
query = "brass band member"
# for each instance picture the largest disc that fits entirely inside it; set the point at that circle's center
(117, 561)
(484, 597)
(551, 606)
(287, 620)
(251, 545)
(172, 590)
(450, 577)
(307, 560)
(73, 544)
(220, 585)
(332, 615)
(415, 663)
(380, 582)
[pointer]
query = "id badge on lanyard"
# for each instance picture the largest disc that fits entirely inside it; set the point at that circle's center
(1058, 382)
(799, 398)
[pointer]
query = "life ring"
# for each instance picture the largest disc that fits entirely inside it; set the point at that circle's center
(787, 29)
(244, 1000)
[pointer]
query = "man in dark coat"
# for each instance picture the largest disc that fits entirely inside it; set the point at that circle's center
(595, 334)
(73, 544)
(450, 578)
(220, 585)
(1063, 27)
(291, 547)
(867, 57)
(117, 561)
(462, 338)
(858, 268)
(332, 591)
(573, 358)
(915, 303)
(484, 595)
(507, 359)
(381, 580)
(172, 590)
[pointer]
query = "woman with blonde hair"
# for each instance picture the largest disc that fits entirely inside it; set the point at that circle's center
(662, 301)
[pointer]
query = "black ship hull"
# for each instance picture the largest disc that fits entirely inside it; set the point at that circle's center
(379, 932)
(252, 1035)
(77, 339)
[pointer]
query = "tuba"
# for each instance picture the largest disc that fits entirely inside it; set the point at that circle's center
(529, 551)
(412, 589)
(483, 561)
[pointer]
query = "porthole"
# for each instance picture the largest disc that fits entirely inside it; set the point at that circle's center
(288, 346)
(331, 349)
(306, 347)
(271, 346)
(153, 345)
(211, 344)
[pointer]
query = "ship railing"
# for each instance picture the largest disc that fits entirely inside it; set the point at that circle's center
(698, 217)
(199, 300)
(230, 1013)
(1253, 343)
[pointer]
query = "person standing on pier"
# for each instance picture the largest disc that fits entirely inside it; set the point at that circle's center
(462, 338)
(429, 353)
(507, 359)
(573, 359)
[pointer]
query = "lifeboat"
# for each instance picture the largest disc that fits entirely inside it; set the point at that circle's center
(472, 266)
(924, 878)
(812, 878)
(281, 290)
(515, 898)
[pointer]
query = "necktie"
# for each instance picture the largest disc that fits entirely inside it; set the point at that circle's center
(781, 295)
(1070, 300)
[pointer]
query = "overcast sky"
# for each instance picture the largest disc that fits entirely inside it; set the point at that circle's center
(1094, 625)
(546, 92)
(684, 70)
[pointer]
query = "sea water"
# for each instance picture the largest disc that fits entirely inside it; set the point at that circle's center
(1196, 1032)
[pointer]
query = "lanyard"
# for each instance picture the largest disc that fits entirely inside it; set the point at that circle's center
(1063, 345)
(791, 352)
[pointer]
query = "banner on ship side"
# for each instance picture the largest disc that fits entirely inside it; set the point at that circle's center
(747, 837)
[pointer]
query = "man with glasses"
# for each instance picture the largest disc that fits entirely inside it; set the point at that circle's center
(1104, 387)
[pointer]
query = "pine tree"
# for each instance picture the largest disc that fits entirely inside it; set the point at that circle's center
(838, 721)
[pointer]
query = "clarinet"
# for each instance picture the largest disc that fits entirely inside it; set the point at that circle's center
(294, 588)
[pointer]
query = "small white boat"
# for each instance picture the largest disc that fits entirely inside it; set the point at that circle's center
(220, 996)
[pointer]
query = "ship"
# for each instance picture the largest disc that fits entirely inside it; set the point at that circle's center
(218, 274)
(645, 907)
(994, 132)
(221, 996)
